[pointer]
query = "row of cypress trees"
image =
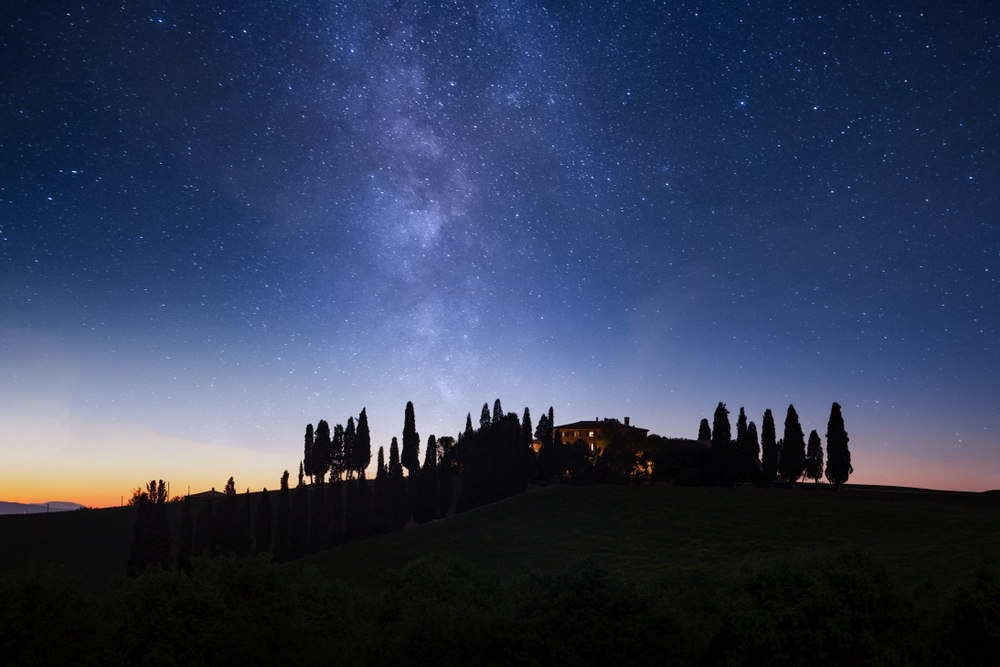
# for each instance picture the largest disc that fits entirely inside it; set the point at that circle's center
(748, 458)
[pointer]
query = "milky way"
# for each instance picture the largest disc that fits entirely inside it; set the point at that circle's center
(225, 221)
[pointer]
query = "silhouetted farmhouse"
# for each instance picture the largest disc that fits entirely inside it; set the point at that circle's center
(598, 433)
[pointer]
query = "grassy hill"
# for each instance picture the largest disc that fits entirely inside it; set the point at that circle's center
(634, 532)
(642, 531)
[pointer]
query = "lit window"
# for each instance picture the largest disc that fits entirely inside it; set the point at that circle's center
(591, 434)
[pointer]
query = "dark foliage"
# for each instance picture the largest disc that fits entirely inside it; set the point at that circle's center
(410, 456)
(811, 609)
(262, 525)
(704, 431)
(769, 448)
(819, 610)
(362, 448)
(814, 457)
(151, 534)
(185, 545)
(283, 522)
(298, 528)
(792, 458)
(723, 448)
(427, 505)
(838, 456)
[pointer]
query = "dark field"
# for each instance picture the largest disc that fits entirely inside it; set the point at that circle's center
(630, 531)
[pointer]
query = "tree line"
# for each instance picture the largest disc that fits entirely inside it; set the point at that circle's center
(489, 463)
(766, 459)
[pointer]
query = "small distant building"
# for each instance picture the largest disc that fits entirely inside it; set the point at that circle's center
(207, 494)
(598, 433)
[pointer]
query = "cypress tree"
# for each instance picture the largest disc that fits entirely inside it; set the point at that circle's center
(792, 459)
(751, 454)
(283, 524)
(411, 442)
(381, 505)
(468, 425)
(814, 457)
(398, 501)
(350, 435)
(497, 412)
(262, 525)
(738, 453)
(704, 431)
(185, 546)
(445, 476)
(362, 444)
(307, 449)
(337, 453)
(722, 449)
(528, 471)
(225, 521)
(769, 448)
(838, 456)
(428, 505)
(322, 452)
(298, 534)
(352, 510)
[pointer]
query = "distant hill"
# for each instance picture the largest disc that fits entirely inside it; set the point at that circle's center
(37, 508)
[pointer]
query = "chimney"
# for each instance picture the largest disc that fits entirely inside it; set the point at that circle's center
(626, 421)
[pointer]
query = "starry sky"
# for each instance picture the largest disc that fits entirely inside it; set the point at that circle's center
(220, 222)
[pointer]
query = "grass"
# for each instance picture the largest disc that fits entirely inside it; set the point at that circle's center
(633, 531)
(639, 532)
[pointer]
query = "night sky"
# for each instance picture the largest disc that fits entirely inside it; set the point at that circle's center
(220, 222)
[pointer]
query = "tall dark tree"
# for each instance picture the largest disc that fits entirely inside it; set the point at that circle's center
(298, 533)
(550, 454)
(307, 449)
(151, 533)
(382, 502)
(814, 457)
(428, 505)
(262, 525)
(362, 444)
(527, 451)
(769, 448)
(838, 456)
(497, 412)
(704, 431)
(350, 435)
(337, 453)
(723, 450)
(484, 417)
(185, 546)
(468, 425)
(283, 522)
(445, 475)
(792, 459)
(410, 456)
(322, 452)
(225, 521)
(399, 511)
(750, 454)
